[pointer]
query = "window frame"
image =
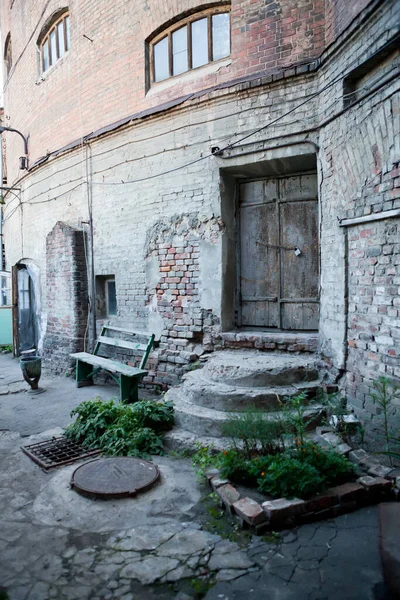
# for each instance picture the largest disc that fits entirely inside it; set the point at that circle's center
(46, 40)
(108, 280)
(8, 55)
(187, 21)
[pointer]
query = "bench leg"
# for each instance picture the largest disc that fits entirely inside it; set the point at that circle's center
(83, 374)
(129, 389)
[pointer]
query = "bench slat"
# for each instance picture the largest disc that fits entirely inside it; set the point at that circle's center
(108, 364)
(121, 343)
(130, 331)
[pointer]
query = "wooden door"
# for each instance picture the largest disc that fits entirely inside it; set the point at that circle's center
(279, 274)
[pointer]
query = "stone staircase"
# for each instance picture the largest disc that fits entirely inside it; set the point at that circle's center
(233, 380)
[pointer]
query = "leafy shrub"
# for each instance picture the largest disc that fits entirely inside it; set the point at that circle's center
(235, 466)
(290, 477)
(250, 432)
(136, 442)
(156, 415)
(333, 467)
(121, 429)
(204, 457)
(295, 421)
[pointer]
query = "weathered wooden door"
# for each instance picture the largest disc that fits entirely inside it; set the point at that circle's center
(279, 274)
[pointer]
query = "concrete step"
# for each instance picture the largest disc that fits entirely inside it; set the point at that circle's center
(207, 422)
(198, 389)
(253, 368)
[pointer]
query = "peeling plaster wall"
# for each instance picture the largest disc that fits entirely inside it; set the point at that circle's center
(143, 223)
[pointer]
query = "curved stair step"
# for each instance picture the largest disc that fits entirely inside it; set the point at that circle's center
(207, 422)
(200, 390)
(252, 368)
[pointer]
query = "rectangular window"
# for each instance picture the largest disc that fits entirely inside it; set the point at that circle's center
(199, 43)
(61, 40)
(45, 53)
(161, 62)
(67, 33)
(180, 51)
(111, 297)
(220, 36)
(106, 296)
(53, 48)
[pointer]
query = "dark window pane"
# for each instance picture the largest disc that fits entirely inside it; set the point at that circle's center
(45, 54)
(61, 41)
(220, 36)
(161, 62)
(199, 43)
(179, 51)
(111, 297)
(67, 33)
(53, 43)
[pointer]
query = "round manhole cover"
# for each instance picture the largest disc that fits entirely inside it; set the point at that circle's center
(116, 477)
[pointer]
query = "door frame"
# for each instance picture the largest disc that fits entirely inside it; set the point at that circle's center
(238, 298)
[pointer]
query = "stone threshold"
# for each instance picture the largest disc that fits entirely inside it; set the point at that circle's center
(374, 486)
(269, 340)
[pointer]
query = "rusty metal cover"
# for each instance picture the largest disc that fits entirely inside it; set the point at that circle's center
(57, 452)
(116, 477)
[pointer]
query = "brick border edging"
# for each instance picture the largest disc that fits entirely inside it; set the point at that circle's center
(375, 486)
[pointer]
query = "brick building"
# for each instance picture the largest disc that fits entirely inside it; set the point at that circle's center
(225, 174)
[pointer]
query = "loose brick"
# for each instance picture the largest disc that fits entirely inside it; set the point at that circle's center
(348, 492)
(228, 495)
(250, 511)
(282, 509)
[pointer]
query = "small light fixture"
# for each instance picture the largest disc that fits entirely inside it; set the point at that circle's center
(216, 151)
(23, 161)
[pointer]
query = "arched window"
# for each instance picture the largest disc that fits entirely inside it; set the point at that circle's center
(190, 43)
(54, 41)
(8, 55)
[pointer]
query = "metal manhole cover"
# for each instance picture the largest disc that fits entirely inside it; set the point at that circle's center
(116, 477)
(57, 451)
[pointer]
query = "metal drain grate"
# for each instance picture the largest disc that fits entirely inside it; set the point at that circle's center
(57, 451)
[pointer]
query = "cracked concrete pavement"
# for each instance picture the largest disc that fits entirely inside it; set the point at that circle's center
(57, 544)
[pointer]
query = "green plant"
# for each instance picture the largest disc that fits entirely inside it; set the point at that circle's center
(204, 457)
(7, 348)
(332, 466)
(393, 453)
(118, 441)
(301, 471)
(156, 415)
(250, 432)
(384, 393)
(295, 420)
(121, 429)
(290, 477)
(335, 409)
(235, 466)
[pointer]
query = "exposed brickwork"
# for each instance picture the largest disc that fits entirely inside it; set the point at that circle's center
(265, 36)
(137, 226)
(374, 324)
(67, 294)
(175, 297)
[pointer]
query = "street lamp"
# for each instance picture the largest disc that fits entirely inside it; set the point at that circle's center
(23, 161)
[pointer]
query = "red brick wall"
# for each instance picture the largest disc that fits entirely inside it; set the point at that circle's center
(103, 80)
(67, 296)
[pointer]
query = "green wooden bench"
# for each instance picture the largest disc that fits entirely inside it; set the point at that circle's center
(127, 377)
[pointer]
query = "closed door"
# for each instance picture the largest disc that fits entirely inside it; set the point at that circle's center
(27, 325)
(279, 274)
